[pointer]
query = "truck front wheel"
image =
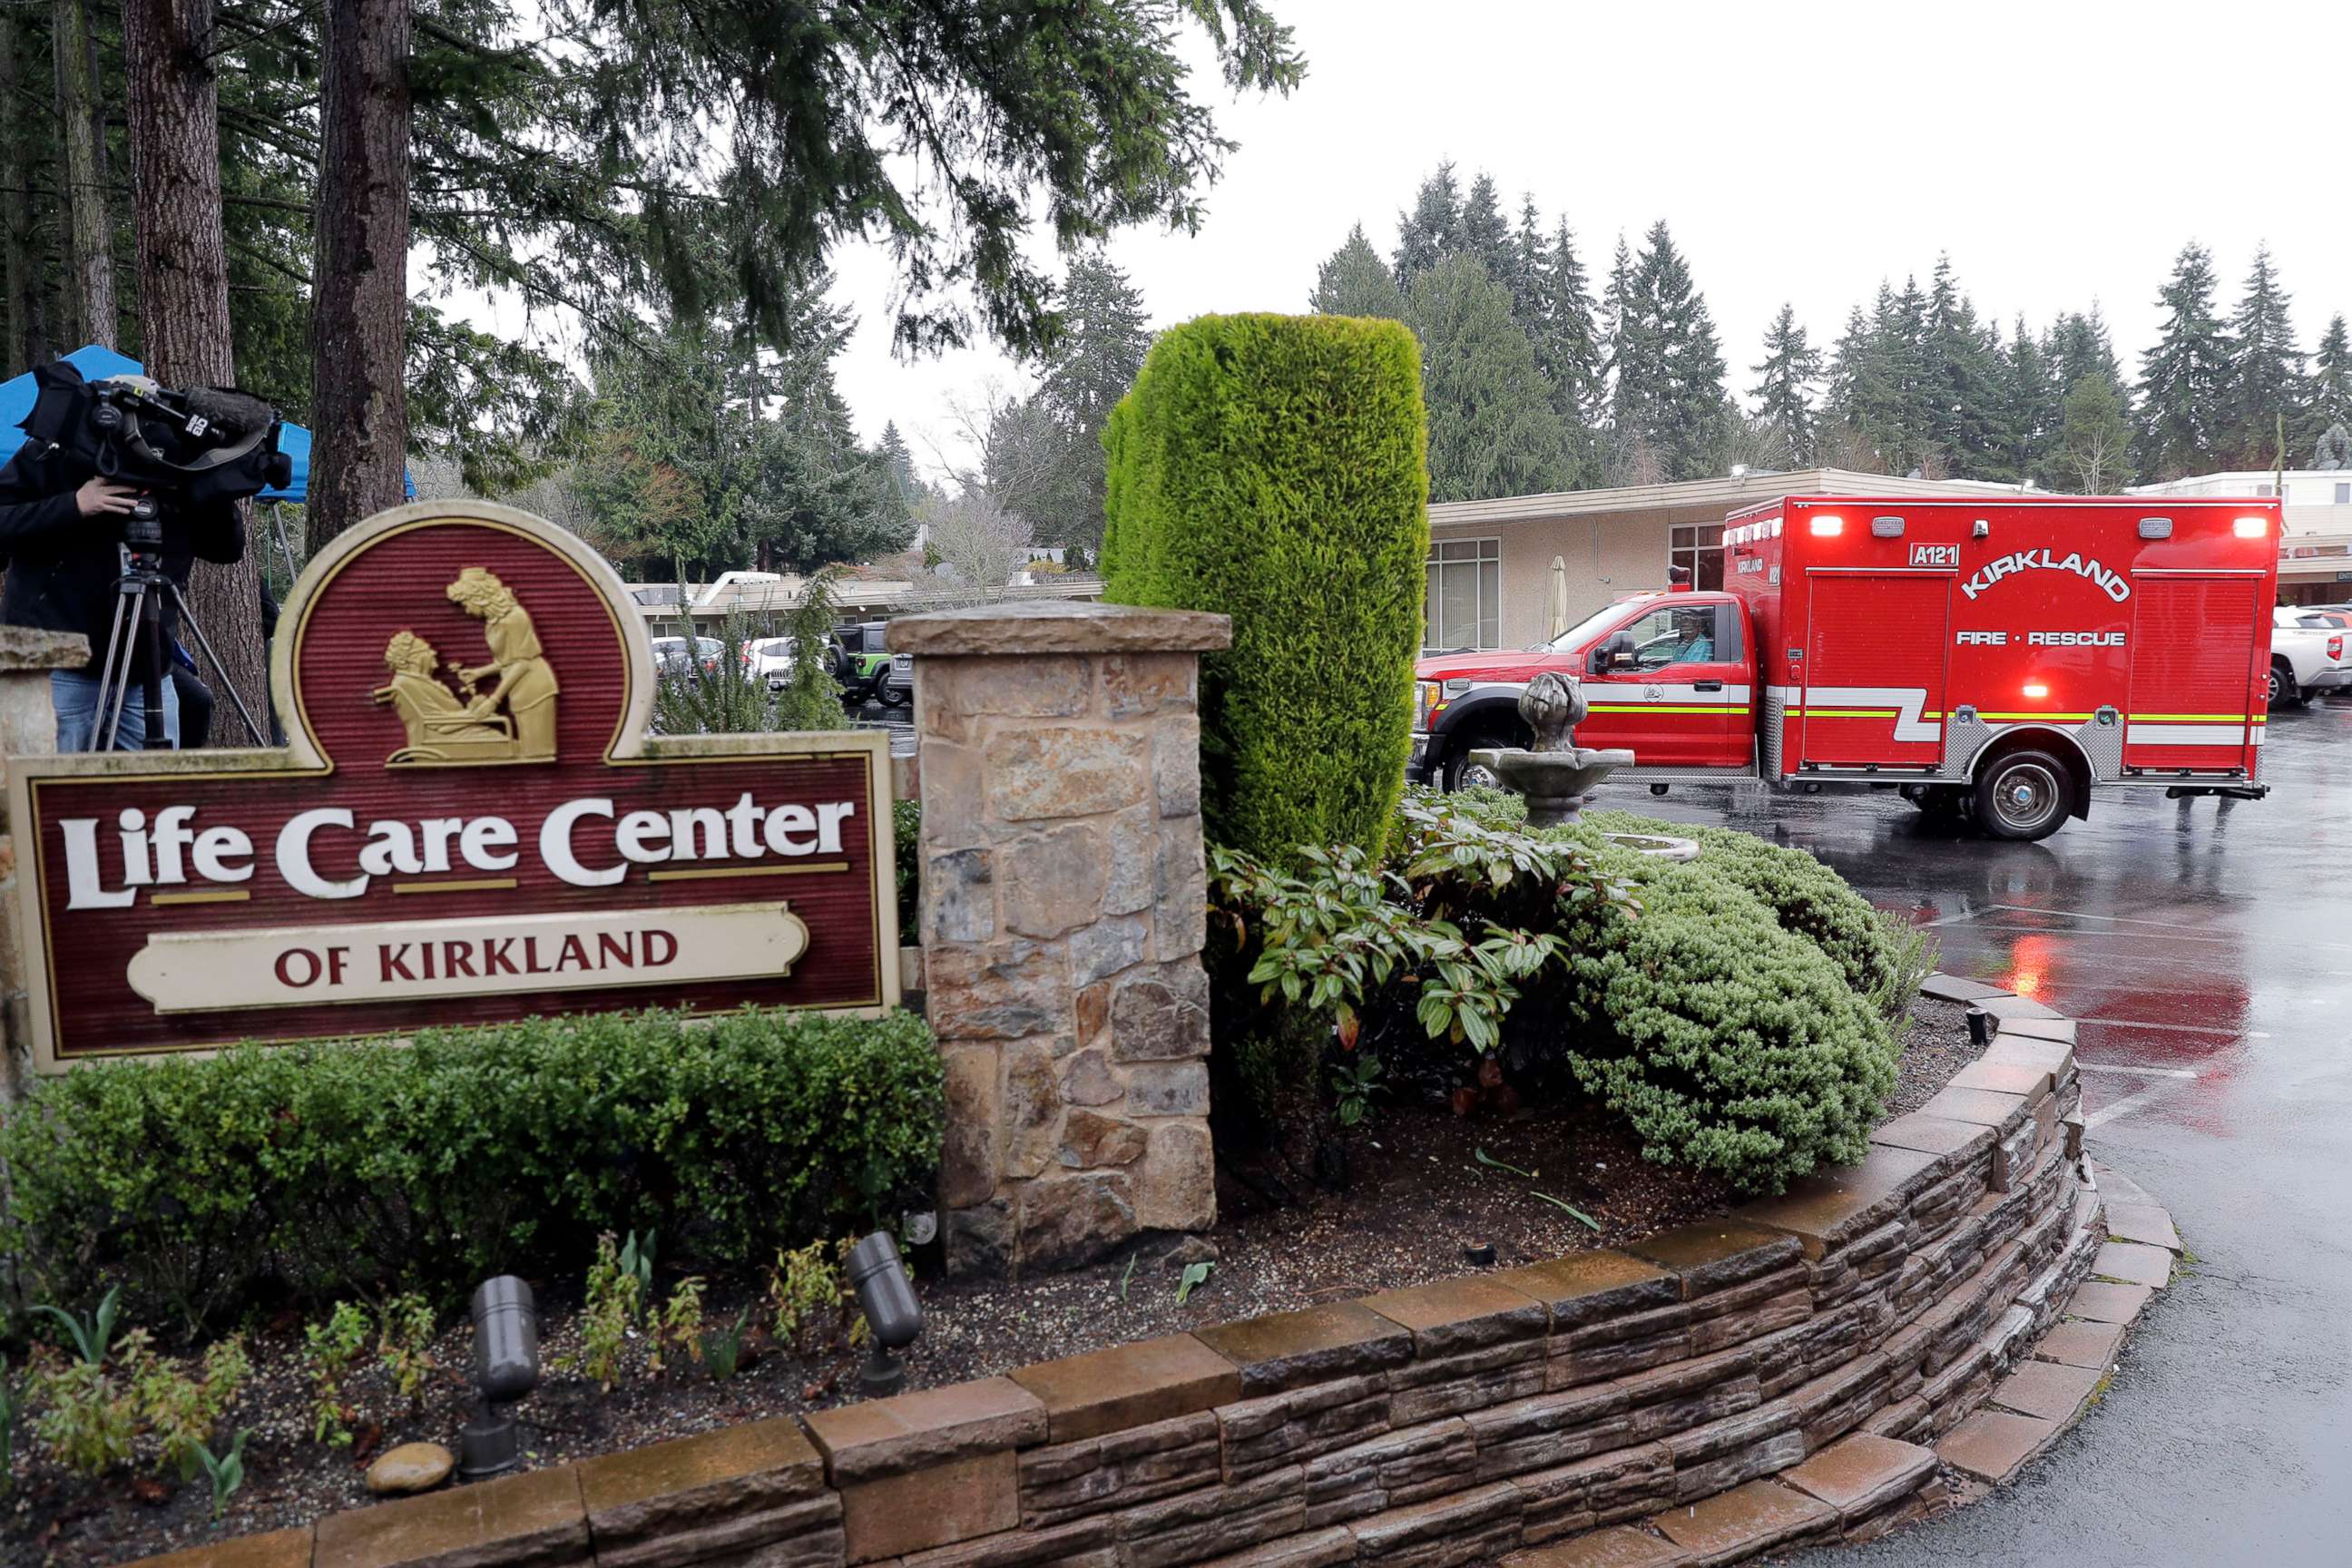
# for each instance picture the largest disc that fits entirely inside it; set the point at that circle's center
(2022, 796)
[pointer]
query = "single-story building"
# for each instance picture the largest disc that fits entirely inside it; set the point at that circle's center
(2315, 553)
(1490, 561)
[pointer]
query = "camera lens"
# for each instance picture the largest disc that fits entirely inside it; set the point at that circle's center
(106, 416)
(145, 509)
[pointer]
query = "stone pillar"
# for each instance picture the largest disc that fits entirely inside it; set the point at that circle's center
(1065, 907)
(29, 727)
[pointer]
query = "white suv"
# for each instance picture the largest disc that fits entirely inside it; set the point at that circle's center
(2306, 655)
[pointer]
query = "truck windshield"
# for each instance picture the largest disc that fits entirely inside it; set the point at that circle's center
(1583, 631)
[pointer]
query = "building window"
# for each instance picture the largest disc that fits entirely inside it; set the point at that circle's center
(1697, 549)
(2344, 495)
(1464, 594)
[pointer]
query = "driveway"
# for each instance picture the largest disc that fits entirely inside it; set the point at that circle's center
(2206, 949)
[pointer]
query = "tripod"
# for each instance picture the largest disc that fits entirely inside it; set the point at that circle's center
(138, 609)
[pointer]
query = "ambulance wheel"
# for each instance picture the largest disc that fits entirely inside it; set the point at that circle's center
(1461, 772)
(2022, 796)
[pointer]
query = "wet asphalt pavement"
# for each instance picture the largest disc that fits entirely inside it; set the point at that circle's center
(2205, 948)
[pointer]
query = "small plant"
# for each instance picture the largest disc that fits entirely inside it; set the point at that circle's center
(1125, 1275)
(805, 1283)
(328, 1351)
(1355, 1083)
(90, 1335)
(181, 1410)
(637, 1260)
(224, 1471)
(1195, 1275)
(404, 1340)
(680, 1327)
(722, 1348)
(615, 1300)
(90, 1421)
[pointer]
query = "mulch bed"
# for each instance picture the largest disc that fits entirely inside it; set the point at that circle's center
(1419, 1196)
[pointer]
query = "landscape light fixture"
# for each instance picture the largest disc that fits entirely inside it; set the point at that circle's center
(506, 1367)
(893, 1317)
(1979, 1027)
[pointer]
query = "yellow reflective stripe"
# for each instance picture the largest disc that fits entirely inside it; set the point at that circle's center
(1846, 712)
(2188, 718)
(1661, 707)
(2078, 718)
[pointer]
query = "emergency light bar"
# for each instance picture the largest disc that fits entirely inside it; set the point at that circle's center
(2251, 527)
(1828, 527)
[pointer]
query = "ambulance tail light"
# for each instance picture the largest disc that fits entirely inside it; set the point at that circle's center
(1828, 527)
(2251, 527)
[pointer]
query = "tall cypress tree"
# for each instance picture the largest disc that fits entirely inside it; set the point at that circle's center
(1525, 277)
(1431, 231)
(1355, 282)
(2266, 370)
(2184, 379)
(1492, 430)
(1783, 390)
(1669, 394)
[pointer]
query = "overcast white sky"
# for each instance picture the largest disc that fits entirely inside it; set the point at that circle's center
(2062, 151)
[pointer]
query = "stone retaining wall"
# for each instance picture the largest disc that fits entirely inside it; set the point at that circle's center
(1712, 1391)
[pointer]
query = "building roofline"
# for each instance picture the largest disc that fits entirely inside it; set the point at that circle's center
(1732, 493)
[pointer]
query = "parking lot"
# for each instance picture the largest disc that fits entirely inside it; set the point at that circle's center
(2205, 948)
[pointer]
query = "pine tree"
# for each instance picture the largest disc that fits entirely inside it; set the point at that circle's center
(1569, 347)
(2030, 405)
(2185, 379)
(1529, 262)
(1097, 350)
(904, 487)
(1486, 234)
(2079, 345)
(2266, 370)
(1669, 393)
(1431, 231)
(1355, 282)
(1959, 372)
(2094, 452)
(1783, 391)
(1492, 430)
(2331, 383)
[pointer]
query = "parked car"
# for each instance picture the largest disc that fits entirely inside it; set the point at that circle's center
(770, 658)
(670, 656)
(898, 686)
(2307, 656)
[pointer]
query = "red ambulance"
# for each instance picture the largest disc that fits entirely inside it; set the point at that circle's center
(1999, 660)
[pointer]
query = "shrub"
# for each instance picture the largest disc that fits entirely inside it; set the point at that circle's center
(1732, 1044)
(1273, 468)
(907, 840)
(340, 1169)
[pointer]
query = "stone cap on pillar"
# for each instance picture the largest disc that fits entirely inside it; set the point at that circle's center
(30, 648)
(1060, 626)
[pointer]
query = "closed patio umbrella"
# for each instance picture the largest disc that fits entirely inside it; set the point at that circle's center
(1559, 619)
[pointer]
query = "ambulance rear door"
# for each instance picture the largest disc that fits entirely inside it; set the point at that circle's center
(1876, 650)
(2199, 643)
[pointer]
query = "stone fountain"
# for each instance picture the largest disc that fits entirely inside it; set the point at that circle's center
(1557, 774)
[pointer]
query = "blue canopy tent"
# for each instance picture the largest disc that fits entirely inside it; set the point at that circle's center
(17, 402)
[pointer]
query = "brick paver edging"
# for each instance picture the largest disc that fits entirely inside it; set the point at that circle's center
(1825, 1363)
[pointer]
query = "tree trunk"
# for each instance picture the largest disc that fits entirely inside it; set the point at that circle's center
(167, 49)
(92, 232)
(360, 312)
(23, 288)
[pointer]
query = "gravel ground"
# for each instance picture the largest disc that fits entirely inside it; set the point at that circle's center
(1419, 1196)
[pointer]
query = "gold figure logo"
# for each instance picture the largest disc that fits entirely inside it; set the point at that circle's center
(513, 721)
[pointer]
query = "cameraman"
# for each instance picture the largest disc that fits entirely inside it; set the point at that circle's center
(62, 543)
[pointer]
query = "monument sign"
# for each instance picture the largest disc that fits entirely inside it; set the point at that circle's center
(468, 823)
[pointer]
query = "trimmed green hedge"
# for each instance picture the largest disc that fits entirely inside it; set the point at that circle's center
(337, 1169)
(1274, 469)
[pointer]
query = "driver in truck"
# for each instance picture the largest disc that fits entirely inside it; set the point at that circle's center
(1693, 638)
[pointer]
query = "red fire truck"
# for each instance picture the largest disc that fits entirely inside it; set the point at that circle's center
(1998, 660)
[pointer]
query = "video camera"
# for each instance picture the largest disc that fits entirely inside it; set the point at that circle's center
(194, 444)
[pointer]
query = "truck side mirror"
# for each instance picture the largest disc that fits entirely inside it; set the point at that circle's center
(1615, 649)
